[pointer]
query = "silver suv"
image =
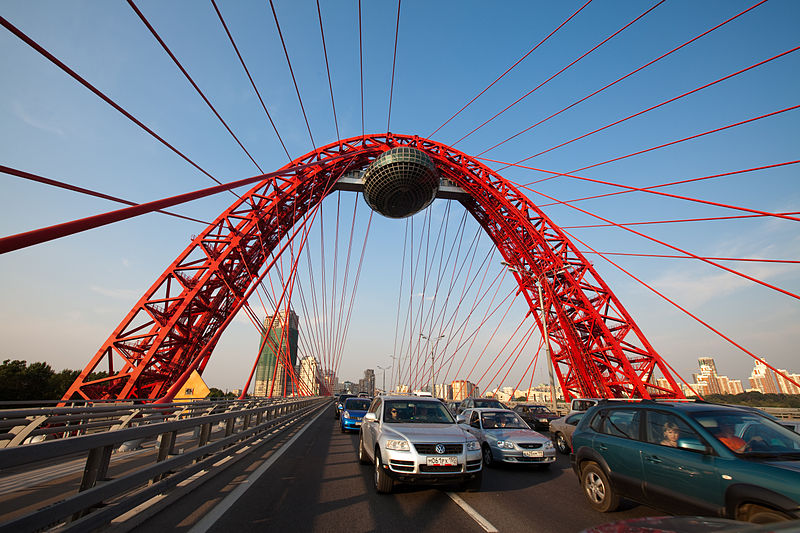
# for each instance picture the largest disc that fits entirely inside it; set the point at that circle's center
(416, 440)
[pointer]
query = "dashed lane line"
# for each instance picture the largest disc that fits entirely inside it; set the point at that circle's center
(485, 524)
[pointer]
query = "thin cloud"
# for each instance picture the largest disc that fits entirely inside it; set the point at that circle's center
(34, 122)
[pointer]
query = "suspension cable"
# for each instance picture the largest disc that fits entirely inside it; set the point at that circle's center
(291, 71)
(33, 44)
(249, 77)
(394, 62)
(626, 76)
(510, 68)
(328, 69)
(548, 80)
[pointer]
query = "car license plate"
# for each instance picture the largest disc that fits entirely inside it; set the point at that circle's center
(532, 453)
(442, 461)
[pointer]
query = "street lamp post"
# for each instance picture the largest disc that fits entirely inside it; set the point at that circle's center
(433, 365)
(538, 281)
(384, 368)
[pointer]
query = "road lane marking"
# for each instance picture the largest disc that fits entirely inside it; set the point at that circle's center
(485, 524)
(222, 507)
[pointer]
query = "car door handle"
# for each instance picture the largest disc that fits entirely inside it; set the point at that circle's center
(653, 459)
(602, 447)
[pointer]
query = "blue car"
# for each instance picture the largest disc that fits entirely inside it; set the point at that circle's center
(353, 411)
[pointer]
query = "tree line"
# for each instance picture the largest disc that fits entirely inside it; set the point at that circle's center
(20, 381)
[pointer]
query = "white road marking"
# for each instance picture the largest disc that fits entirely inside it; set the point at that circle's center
(222, 507)
(485, 524)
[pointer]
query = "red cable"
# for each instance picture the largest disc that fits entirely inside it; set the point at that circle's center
(716, 130)
(191, 81)
(650, 190)
(664, 103)
(750, 259)
(47, 181)
(252, 83)
(33, 44)
(741, 274)
(521, 98)
(394, 62)
(626, 75)
(291, 71)
(705, 219)
(702, 322)
(511, 67)
(328, 69)
(361, 65)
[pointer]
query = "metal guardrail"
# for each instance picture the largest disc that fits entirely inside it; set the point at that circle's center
(240, 423)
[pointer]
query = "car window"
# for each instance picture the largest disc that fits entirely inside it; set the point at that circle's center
(376, 405)
(357, 404)
(619, 423)
(750, 433)
(474, 420)
(502, 420)
(574, 419)
(667, 429)
(416, 412)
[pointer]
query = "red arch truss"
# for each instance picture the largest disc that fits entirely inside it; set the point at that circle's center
(596, 347)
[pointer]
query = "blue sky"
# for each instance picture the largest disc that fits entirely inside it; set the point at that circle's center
(63, 298)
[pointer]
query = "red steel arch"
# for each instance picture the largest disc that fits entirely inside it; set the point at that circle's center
(596, 347)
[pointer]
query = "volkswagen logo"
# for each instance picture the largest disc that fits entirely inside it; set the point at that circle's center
(439, 448)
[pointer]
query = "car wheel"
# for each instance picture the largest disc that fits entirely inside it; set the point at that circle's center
(363, 458)
(474, 484)
(561, 443)
(383, 483)
(598, 489)
(760, 515)
(488, 458)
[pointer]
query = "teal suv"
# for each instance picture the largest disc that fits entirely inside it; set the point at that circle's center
(688, 458)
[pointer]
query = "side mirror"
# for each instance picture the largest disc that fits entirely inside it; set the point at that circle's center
(461, 420)
(692, 444)
(370, 417)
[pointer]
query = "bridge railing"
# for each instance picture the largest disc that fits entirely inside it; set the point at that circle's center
(36, 424)
(209, 431)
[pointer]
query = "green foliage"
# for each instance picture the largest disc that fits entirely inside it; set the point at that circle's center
(756, 399)
(218, 394)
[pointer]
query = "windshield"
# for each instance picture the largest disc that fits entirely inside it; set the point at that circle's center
(357, 404)
(750, 433)
(416, 412)
(502, 420)
(489, 403)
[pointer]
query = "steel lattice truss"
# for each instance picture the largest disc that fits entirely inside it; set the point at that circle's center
(596, 347)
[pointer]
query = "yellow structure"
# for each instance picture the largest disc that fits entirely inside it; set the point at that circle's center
(194, 389)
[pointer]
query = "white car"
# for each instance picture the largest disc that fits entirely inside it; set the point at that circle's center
(505, 437)
(416, 440)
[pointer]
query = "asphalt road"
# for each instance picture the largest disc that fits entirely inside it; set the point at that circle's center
(317, 485)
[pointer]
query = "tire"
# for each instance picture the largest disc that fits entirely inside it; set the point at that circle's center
(488, 458)
(760, 515)
(597, 489)
(383, 483)
(561, 444)
(363, 458)
(474, 484)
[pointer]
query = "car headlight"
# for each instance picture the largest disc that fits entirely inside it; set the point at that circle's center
(345, 414)
(505, 444)
(473, 445)
(542, 420)
(401, 445)
(548, 445)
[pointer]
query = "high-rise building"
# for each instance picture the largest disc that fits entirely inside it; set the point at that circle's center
(309, 376)
(367, 383)
(278, 352)
(443, 391)
(464, 389)
(762, 379)
(709, 382)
